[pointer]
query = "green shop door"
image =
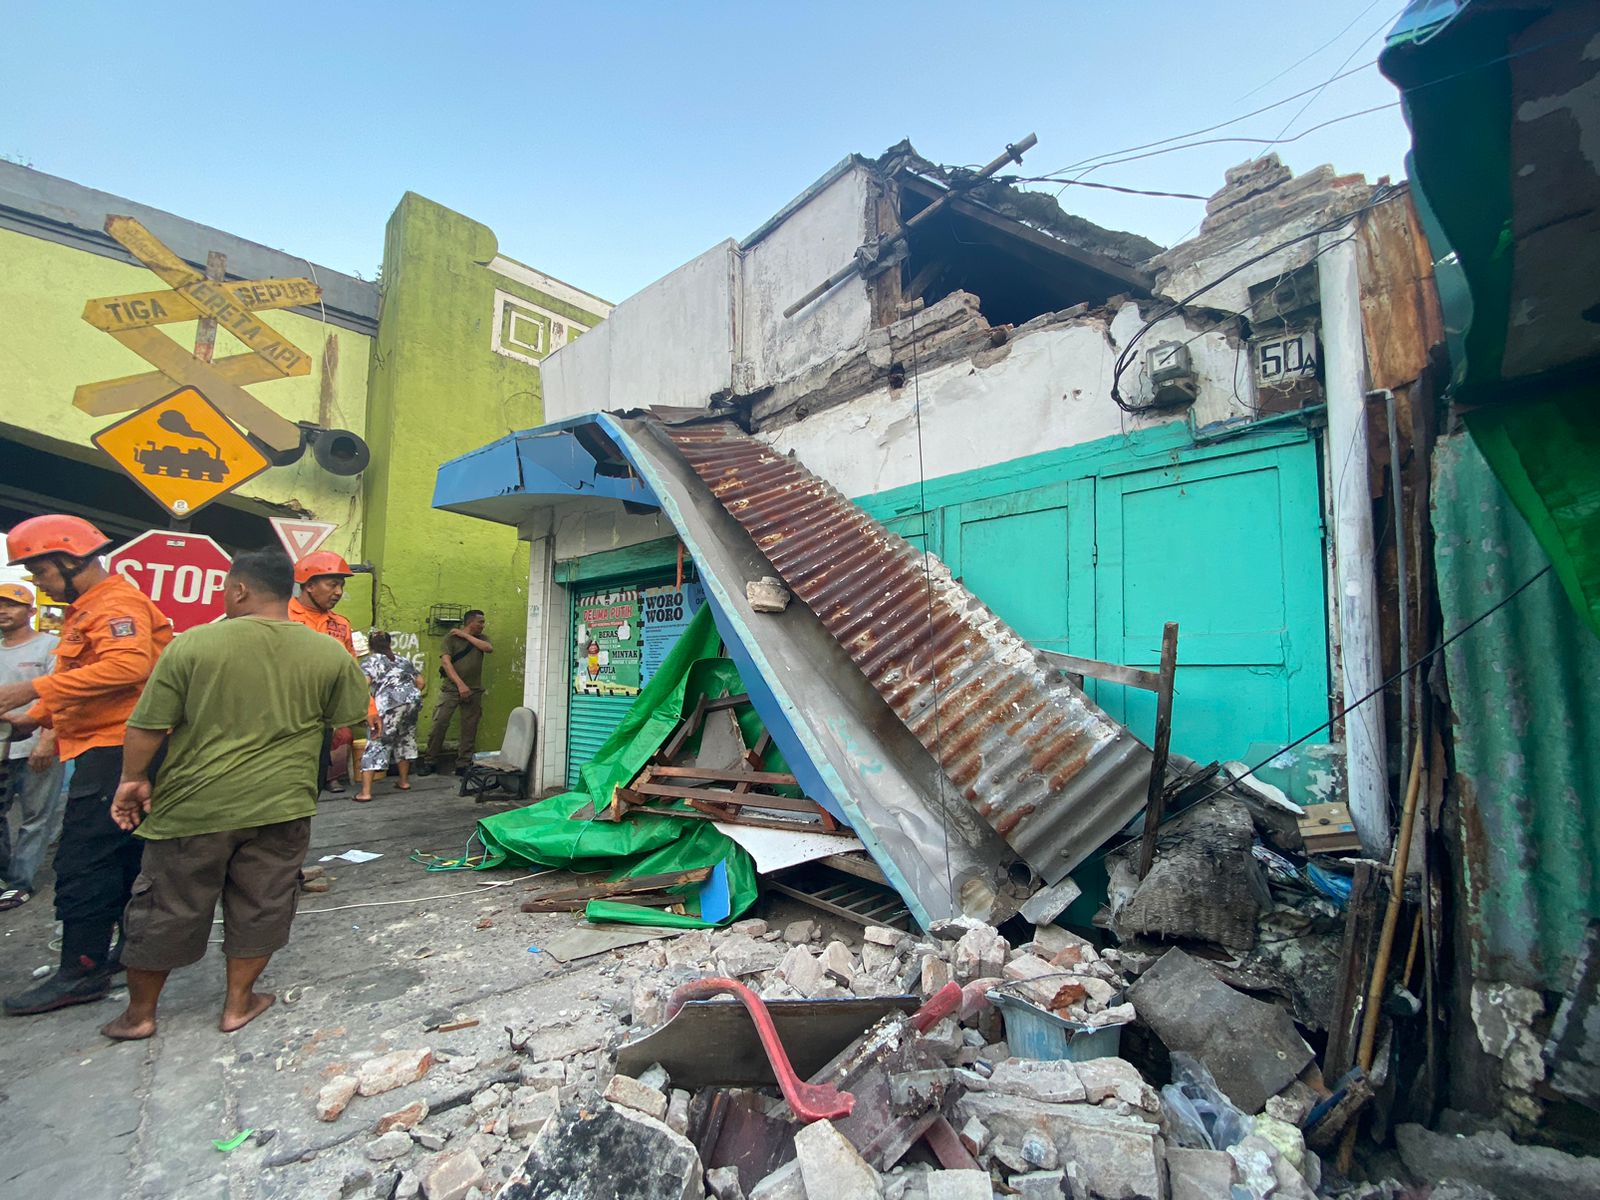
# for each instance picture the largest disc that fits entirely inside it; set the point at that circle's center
(1231, 548)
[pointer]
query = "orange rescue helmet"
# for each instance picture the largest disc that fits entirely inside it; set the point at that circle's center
(54, 533)
(323, 562)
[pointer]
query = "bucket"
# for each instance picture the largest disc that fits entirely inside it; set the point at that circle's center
(1033, 1032)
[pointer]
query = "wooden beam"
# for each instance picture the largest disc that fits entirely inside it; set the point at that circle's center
(724, 775)
(734, 799)
(1150, 681)
(1155, 797)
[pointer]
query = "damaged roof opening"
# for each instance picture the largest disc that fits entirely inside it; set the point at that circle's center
(1016, 251)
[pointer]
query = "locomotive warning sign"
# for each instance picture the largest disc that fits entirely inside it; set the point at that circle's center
(135, 320)
(182, 451)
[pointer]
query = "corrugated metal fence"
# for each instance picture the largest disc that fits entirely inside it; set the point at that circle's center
(1525, 691)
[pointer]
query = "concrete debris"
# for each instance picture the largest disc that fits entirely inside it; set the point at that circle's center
(1199, 1174)
(723, 1183)
(403, 1118)
(798, 933)
(394, 1144)
(767, 594)
(1050, 902)
(678, 1111)
(1491, 1160)
(1251, 1048)
(979, 954)
(831, 1167)
(393, 1070)
(959, 1185)
(1204, 885)
(837, 964)
(429, 1139)
(529, 1111)
(635, 1094)
(335, 1095)
(606, 1152)
(1117, 1155)
(786, 1183)
(450, 1176)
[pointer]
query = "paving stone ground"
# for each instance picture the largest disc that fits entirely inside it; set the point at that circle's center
(83, 1117)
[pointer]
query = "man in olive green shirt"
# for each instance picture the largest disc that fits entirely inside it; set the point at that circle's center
(460, 687)
(241, 707)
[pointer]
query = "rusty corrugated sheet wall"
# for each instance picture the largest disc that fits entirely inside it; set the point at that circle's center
(1045, 767)
(1525, 692)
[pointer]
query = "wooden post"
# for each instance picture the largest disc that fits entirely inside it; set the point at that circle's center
(205, 334)
(1155, 801)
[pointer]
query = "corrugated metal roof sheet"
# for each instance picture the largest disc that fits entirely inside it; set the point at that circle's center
(1043, 766)
(1527, 732)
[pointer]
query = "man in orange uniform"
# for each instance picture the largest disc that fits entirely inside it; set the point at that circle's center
(110, 641)
(321, 578)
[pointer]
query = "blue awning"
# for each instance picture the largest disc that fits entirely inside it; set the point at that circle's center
(505, 480)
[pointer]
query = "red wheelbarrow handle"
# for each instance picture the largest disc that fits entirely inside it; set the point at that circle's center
(810, 1101)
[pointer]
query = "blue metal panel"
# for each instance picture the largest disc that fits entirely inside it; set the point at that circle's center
(1527, 732)
(548, 461)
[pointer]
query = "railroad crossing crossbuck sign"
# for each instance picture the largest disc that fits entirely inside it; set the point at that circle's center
(133, 321)
(182, 451)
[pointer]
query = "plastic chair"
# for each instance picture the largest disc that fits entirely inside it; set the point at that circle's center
(509, 769)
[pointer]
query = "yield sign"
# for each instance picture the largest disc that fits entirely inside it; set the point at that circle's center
(300, 538)
(134, 321)
(182, 451)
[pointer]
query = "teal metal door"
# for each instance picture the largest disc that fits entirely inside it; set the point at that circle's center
(1030, 557)
(1231, 548)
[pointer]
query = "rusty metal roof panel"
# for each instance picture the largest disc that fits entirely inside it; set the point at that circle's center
(1031, 754)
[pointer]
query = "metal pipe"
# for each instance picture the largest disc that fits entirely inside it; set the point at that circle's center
(1014, 153)
(1402, 586)
(1360, 667)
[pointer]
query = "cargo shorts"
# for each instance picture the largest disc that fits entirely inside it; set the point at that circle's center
(255, 874)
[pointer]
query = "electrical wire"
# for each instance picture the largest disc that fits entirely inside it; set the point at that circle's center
(1317, 95)
(1300, 62)
(1387, 683)
(481, 890)
(1126, 356)
(927, 583)
(1109, 187)
(1178, 137)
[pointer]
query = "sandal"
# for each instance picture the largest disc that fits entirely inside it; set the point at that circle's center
(360, 799)
(14, 898)
(402, 787)
(333, 787)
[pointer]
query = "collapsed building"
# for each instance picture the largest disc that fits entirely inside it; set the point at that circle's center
(945, 467)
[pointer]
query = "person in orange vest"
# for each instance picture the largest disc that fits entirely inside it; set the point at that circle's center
(110, 640)
(321, 578)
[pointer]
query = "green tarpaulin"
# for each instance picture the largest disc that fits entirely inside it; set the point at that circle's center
(545, 834)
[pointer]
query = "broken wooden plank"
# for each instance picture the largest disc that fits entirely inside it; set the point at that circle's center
(715, 796)
(1150, 681)
(638, 883)
(686, 729)
(718, 775)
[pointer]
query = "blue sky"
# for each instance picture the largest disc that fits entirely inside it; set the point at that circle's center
(606, 144)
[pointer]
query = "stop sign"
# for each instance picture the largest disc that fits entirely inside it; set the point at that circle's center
(182, 573)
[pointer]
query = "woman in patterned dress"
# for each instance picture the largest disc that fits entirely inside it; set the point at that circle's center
(392, 725)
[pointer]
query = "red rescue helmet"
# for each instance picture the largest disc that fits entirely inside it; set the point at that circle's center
(54, 533)
(323, 562)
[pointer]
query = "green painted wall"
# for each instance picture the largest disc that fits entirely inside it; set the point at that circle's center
(48, 350)
(1089, 550)
(438, 389)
